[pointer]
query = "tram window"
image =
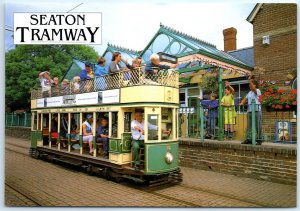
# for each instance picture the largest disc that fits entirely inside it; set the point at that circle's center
(45, 121)
(35, 121)
(127, 121)
(114, 131)
(167, 123)
(39, 122)
(152, 126)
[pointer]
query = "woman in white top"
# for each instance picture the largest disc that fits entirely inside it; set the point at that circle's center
(87, 131)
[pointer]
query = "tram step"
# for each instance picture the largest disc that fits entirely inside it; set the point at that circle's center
(133, 178)
(68, 161)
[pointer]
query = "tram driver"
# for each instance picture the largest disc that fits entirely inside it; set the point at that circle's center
(137, 129)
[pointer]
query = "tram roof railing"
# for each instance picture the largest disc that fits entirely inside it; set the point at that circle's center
(136, 77)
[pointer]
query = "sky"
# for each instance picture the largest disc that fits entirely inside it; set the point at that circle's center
(132, 24)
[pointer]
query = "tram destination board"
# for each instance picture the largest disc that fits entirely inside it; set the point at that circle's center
(92, 98)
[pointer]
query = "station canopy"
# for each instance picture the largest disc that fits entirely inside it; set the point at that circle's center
(195, 56)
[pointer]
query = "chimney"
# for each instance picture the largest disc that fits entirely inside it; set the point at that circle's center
(229, 39)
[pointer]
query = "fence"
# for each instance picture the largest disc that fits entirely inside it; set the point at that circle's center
(21, 120)
(112, 81)
(262, 125)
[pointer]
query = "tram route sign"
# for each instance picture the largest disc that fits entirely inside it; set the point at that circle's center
(91, 98)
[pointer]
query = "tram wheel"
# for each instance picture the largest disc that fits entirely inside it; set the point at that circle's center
(90, 170)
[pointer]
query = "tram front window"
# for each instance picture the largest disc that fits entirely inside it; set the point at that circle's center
(167, 123)
(152, 127)
(114, 128)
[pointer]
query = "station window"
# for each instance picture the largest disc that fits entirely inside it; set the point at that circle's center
(182, 98)
(152, 126)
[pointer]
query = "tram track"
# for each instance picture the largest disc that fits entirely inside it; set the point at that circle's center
(152, 190)
(34, 202)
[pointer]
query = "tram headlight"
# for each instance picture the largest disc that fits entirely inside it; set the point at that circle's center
(169, 158)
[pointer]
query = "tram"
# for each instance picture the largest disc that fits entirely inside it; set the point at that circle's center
(117, 98)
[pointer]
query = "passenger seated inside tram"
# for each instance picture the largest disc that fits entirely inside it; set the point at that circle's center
(54, 125)
(64, 129)
(87, 131)
(102, 135)
(137, 130)
(154, 66)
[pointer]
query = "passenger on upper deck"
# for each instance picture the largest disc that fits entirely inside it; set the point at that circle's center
(55, 87)
(87, 131)
(87, 73)
(136, 63)
(114, 66)
(46, 83)
(100, 67)
(76, 84)
(65, 87)
(153, 66)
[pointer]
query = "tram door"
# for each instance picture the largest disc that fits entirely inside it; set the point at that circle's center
(193, 117)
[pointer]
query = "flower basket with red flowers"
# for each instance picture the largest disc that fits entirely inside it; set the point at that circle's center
(275, 98)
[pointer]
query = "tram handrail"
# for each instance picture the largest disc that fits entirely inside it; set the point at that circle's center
(136, 77)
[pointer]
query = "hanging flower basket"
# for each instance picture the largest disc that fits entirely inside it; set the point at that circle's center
(280, 108)
(276, 99)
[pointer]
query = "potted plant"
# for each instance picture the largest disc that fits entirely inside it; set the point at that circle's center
(275, 98)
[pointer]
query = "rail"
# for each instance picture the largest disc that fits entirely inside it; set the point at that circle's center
(117, 80)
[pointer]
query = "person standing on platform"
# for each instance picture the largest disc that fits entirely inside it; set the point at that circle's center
(253, 94)
(229, 110)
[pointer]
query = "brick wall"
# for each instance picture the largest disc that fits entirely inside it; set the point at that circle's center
(280, 22)
(19, 132)
(280, 57)
(270, 163)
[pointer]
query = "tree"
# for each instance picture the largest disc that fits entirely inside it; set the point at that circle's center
(209, 84)
(25, 62)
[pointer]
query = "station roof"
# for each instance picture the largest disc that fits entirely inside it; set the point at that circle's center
(179, 44)
(174, 42)
(246, 55)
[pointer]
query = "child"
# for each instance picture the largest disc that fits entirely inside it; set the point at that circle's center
(229, 111)
(212, 115)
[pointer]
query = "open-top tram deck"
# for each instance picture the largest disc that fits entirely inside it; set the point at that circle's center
(118, 98)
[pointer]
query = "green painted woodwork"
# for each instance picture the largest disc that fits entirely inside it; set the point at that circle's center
(80, 140)
(122, 145)
(35, 136)
(155, 157)
(221, 109)
(114, 145)
(126, 142)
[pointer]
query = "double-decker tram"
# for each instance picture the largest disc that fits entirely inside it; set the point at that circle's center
(65, 126)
